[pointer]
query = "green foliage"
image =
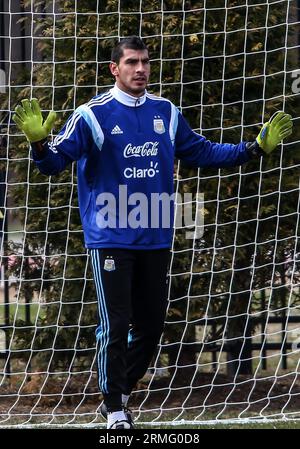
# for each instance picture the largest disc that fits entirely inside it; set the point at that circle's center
(249, 243)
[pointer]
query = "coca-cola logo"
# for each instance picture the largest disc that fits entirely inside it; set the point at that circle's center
(147, 149)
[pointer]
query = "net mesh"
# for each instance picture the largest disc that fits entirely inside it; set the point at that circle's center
(230, 349)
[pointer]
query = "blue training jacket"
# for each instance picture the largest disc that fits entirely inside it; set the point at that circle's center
(125, 149)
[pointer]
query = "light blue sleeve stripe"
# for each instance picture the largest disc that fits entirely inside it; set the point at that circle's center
(69, 129)
(173, 123)
(93, 124)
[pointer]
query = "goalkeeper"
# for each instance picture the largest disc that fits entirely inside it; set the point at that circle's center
(125, 142)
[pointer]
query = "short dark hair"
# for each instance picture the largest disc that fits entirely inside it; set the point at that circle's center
(132, 42)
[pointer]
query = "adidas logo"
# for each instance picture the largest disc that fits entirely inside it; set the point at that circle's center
(116, 130)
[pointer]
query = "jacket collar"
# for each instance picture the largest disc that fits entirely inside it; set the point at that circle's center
(127, 99)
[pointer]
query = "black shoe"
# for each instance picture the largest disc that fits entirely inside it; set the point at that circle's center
(121, 425)
(127, 411)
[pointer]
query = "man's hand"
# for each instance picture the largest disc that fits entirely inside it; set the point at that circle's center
(29, 119)
(273, 132)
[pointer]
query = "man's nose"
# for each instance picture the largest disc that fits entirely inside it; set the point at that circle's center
(140, 67)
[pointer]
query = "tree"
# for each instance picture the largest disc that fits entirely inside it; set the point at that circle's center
(237, 252)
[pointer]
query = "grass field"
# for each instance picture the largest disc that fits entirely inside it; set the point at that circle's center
(271, 425)
(18, 311)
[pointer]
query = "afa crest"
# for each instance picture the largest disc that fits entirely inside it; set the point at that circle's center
(158, 125)
(109, 265)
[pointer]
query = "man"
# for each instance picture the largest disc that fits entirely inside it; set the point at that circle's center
(125, 142)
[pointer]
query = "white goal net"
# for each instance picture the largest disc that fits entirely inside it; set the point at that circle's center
(231, 344)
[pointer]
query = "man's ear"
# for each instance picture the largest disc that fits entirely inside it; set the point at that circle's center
(114, 69)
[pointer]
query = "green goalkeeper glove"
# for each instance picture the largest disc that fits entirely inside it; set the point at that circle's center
(29, 119)
(273, 132)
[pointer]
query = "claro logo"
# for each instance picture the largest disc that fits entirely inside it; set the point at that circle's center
(134, 172)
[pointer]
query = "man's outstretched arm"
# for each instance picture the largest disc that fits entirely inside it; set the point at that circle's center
(197, 151)
(69, 145)
(28, 118)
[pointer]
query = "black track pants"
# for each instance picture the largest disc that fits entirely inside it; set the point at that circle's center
(132, 298)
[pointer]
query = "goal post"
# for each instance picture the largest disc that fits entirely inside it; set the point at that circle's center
(230, 348)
